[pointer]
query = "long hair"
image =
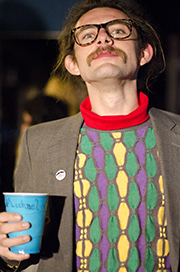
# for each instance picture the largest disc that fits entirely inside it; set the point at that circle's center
(145, 31)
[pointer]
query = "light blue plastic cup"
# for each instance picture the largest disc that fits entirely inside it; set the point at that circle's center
(32, 207)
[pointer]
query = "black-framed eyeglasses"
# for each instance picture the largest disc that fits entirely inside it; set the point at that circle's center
(117, 29)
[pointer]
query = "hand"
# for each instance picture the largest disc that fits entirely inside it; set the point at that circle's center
(6, 228)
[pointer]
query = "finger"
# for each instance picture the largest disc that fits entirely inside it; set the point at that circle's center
(10, 242)
(10, 217)
(6, 228)
(18, 257)
(14, 256)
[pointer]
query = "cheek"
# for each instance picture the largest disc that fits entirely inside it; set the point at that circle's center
(81, 53)
(77, 56)
(80, 58)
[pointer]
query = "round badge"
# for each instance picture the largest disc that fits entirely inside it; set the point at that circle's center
(60, 175)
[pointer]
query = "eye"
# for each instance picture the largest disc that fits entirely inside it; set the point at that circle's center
(119, 31)
(86, 34)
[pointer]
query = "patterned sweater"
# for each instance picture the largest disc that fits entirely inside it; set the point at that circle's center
(119, 201)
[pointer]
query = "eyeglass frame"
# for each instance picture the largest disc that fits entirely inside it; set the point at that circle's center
(129, 23)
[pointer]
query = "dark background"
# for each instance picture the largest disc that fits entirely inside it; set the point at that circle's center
(28, 49)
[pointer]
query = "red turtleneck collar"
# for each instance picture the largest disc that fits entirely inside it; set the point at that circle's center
(113, 122)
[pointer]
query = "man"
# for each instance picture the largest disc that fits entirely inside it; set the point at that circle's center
(112, 170)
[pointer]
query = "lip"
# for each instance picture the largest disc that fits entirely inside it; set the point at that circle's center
(105, 54)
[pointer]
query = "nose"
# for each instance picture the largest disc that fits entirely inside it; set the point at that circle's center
(104, 38)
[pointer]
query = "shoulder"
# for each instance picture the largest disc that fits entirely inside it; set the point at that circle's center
(162, 115)
(50, 132)
(53, 125)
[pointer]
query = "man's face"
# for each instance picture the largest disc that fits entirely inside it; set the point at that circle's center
(106, 57)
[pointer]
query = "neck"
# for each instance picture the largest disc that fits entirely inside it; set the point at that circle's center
(135, 118)
(113, 99)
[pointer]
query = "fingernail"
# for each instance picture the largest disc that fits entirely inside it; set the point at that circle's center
(25, 225)
(25, 255)
(26, 238)
(18, 216)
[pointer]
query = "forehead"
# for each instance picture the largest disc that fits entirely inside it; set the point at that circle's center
(100, 15)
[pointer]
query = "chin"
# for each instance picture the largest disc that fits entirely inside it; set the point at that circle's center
(108, 74)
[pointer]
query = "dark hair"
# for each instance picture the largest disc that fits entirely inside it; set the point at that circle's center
(45, 108)
(145, 30)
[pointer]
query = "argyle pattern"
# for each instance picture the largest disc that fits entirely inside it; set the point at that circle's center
(119, 202)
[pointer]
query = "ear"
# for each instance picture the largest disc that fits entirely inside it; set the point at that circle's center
(71, 65)
(146, 55)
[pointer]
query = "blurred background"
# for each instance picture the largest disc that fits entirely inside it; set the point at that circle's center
(28, 50)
